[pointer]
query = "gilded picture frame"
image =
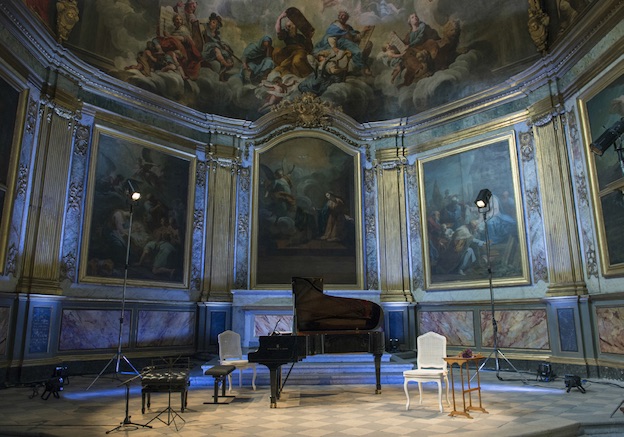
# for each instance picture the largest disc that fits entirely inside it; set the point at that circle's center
(13, 109)
(455, 242)
(161, 219)
(306, 212)
(600, 106)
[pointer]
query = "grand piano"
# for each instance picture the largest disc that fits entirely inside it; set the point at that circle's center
(323, 324)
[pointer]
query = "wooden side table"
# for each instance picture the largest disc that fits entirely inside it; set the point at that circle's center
(465, 363)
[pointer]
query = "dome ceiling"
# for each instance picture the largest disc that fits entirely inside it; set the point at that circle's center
(381, 60)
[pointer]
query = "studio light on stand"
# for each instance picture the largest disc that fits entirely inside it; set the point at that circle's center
(609, 138)
(133, 195)
(483, 203)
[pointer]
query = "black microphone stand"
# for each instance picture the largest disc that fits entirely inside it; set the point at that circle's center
(127, 423)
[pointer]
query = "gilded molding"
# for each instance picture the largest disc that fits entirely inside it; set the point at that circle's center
(546, 115)
(57, 109)
(82, 140)
(391, 159)
(342, 137)
(308, 110)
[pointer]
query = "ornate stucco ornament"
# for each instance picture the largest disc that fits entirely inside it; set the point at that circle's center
(308, 110)
(538, 25)
(67, 17)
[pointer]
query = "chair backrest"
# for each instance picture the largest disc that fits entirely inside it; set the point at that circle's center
(229, 345)
(431, 351)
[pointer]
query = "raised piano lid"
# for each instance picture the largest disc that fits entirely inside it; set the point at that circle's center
(317, 312)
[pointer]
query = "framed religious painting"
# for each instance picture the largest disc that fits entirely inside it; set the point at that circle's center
(460, 240)
(153, 233)
(306, 212)
(601, 107)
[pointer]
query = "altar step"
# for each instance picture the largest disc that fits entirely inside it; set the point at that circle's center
(324, 369)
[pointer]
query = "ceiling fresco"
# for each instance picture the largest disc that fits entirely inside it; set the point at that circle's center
(377, 60)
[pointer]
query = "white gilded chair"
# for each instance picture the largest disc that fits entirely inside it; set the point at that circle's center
(431, 366)
(230, 353)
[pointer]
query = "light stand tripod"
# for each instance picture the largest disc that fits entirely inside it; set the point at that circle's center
(484, 206)
(127, 424)
(133, 196)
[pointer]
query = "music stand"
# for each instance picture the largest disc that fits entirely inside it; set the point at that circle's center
(483, 203)
(170, 412)
(133, 196)
(127, 422)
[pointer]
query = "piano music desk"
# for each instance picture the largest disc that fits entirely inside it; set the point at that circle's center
(465, 362)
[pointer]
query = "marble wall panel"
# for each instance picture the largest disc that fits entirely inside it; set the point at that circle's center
(266, 324)
(456, 326)
(40, 324)
(92, 329)
(568, 338)
(4, 329)
(520, 329)
(166, 328)
(611, 329)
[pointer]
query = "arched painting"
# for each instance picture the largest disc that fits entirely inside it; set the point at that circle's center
(307, 213)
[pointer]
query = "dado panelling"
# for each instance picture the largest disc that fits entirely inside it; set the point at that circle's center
(88, 329)
(610, 322)
(518, 329)
(83, 329)
(457, 326)
(165, 328)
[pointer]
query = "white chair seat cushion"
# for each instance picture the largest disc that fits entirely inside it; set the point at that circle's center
(424, 373)
(237, 363)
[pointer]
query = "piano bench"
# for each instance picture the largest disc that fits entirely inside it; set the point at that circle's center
(219, 373)
(164, 381)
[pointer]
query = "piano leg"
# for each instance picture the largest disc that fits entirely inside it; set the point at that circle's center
(378, 373)
(275, 373)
